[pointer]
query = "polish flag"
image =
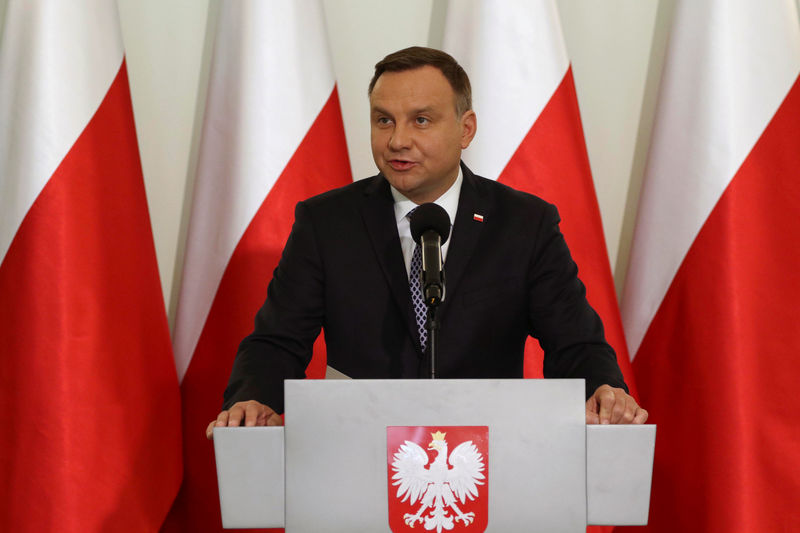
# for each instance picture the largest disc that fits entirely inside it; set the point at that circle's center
(712, 293)
(530, 135)
(89, 399)
(272, 136)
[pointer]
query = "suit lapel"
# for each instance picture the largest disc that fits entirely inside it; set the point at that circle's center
(466, 232)
(378, 214)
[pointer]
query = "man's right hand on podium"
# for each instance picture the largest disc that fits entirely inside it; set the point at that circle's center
(251, 412)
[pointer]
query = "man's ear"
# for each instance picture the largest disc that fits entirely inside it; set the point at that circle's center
(469, 126)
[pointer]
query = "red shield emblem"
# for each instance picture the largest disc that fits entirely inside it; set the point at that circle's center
(438, 478)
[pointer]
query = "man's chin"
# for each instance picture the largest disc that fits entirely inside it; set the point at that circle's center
(404, 181)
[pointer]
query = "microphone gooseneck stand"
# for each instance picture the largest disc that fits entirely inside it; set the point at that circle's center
(433, 291)
(432, 325)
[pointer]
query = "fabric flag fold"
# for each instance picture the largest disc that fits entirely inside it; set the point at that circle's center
(530, 135)
(272, 136)
(714, 279)
(88, 391)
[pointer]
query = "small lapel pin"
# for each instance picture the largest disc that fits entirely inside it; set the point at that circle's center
(477, 217)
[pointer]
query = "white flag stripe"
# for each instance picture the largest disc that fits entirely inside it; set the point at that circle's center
(269, 80)
(699, 144)
(505, 101)
(49, 90)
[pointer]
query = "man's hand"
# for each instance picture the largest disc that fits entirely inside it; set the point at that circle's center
(252, 412)
(611, 405)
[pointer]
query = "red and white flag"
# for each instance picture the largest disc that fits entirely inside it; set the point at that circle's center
(712, 292)
(89, 400)
(272, 136)
(530, 135)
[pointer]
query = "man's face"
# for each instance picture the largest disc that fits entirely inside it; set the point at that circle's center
(416, 136)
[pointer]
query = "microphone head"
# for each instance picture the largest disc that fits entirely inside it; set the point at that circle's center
(430, 217)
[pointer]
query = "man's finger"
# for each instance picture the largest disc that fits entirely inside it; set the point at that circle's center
(274, 420)
(606, 399)
(210, 430)
(620, 406)
(222, 419)
(629, 412)
(624, 408)
(235, 415)
(641, 416)
(591, 411)
(255, 414)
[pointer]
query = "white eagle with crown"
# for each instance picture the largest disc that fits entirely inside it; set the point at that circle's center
(439, 487)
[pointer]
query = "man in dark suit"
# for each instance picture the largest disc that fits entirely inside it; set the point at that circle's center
(346, 266)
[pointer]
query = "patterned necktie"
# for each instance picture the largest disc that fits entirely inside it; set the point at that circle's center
(414, 277)
(416, 295)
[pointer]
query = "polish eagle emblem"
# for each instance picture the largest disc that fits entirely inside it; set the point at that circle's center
(442, 488)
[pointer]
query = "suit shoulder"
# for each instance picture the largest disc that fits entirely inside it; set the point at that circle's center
(345, 193)
(508, 198)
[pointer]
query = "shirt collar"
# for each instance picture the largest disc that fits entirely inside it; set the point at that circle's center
(448, 201)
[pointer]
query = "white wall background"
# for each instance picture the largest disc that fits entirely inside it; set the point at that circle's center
(616, 48)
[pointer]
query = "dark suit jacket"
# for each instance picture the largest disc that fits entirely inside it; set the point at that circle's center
(507, 277)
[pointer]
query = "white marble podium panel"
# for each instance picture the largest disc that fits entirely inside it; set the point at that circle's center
(336, 455)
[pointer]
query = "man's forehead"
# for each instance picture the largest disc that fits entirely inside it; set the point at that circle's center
(425, 75)
(423, 88)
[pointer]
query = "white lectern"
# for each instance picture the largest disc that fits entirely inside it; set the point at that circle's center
(483, 455)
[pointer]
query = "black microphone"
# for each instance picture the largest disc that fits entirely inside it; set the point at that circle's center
(430, 228)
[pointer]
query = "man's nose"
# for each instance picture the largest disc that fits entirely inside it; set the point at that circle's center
(400, 139)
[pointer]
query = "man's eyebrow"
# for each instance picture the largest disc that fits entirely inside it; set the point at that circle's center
(422, 110)
(378, 109)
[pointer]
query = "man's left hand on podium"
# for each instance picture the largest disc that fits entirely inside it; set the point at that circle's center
(249, 413)
(612, 405)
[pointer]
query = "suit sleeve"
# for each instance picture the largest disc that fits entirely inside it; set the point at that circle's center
(286, 326)
(568, 329)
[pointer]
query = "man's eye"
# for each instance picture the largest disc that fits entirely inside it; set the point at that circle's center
(383, 121)
(422, 120)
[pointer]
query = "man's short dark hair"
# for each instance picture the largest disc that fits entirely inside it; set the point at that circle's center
(419, 56)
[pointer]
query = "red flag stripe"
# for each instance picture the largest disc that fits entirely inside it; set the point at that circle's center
(241, 292)
(89, 394)
(720, 356)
